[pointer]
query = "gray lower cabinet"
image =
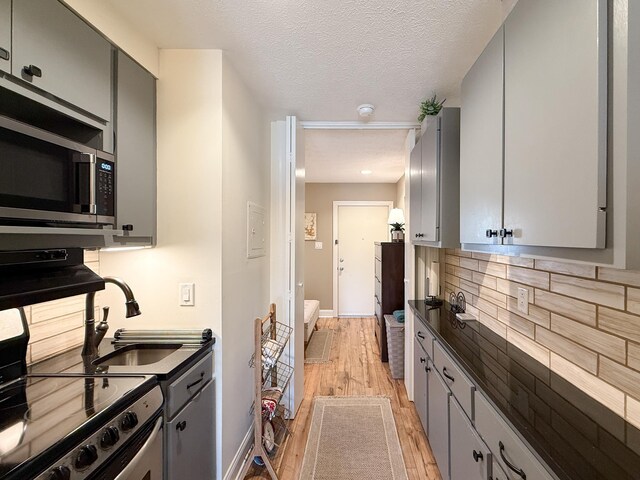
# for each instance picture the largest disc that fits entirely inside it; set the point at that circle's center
(420, 393)
(497, 473)
(136, 153)
(470, 456)
(438, 411)
(5, 35)
(56, 51)
(190, 437)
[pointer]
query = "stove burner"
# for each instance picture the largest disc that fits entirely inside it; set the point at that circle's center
(37, 413)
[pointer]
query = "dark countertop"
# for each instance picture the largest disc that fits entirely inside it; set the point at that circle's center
(72, 363)
(577, 436)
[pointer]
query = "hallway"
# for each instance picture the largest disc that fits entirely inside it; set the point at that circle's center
(356, 369)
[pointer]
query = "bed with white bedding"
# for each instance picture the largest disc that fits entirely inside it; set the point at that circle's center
(311, 314)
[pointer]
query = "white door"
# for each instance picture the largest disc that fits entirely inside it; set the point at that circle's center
(358, 228)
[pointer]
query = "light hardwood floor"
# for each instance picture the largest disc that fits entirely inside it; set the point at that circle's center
(356, 369)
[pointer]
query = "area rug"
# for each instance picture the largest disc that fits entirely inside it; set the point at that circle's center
(353, 438)
(319, 347)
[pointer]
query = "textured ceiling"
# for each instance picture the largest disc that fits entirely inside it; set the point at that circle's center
(321, 59)
(338, 156)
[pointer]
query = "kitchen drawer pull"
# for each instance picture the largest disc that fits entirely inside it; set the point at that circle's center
(420, 335)
(477, 456)
(517, 470)
(200, 380)
(447, 376)
(181, 426)
(32, 71)
(422, 359)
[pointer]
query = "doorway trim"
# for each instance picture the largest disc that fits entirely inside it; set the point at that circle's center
(348, 203)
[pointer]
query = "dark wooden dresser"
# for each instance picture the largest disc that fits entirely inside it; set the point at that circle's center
(389, 292)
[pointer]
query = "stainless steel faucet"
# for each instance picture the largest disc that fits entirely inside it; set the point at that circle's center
(92, 335)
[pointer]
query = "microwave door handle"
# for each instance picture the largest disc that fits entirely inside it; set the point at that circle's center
(128, 470)
(90, 160)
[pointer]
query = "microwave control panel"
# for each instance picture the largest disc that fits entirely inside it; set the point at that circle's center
(105, 188)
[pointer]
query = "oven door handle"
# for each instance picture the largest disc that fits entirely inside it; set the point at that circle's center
(125, 474)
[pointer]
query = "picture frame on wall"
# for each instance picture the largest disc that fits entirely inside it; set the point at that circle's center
(310, 226)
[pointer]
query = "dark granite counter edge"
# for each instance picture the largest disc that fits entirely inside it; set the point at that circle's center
(552, 466)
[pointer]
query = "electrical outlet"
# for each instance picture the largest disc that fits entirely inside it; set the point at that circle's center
(523, 300)
(186, 294)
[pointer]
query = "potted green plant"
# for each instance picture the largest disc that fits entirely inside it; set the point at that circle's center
(430, 106)
(396, 222)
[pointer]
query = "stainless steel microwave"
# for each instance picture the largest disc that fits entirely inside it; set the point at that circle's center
(49, 179)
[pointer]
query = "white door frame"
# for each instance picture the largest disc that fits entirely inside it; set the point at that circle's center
(348, 203)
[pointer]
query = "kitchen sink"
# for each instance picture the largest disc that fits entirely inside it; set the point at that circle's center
(137, 354)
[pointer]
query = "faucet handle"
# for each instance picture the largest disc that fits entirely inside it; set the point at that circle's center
(105, 313)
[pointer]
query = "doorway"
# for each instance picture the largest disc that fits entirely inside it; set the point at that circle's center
(356, 227)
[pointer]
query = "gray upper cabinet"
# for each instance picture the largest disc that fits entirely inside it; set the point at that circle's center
(534, 130)
(136, 152)
(5, 35)
(56, 51)
(434, 182)
(481, 146)
(415, 191)
(555, 123)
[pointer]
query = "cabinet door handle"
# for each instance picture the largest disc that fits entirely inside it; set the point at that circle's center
(4, 54)
(427, 369)
(505, 233)
(420, 335)
(477, 456)
(491, 233)
(32, 71)
(444, 372)
(181, 426)
(200, 380)
(517, 470)
(422, 359)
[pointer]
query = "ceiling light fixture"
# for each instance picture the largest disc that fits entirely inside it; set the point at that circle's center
(366, 172)
(366, 110)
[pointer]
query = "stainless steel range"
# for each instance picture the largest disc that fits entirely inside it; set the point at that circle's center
(74, 427)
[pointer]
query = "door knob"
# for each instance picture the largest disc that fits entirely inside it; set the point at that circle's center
(301, 284)
(341, 268)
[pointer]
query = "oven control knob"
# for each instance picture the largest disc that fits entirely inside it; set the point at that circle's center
(86, 456)
(129, 421)
(60, 473)
(109, 438)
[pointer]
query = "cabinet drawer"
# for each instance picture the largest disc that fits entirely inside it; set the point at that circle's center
(424, 338)
(457, 381)
(378, 253)
(378, 268)
(378, 309)
(190, 383)
(496, 432)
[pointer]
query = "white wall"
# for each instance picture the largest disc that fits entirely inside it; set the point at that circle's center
(100, 14)
(245, 282)
(213, 157)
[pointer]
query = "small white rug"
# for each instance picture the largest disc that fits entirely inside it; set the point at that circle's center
(353, 438)
(319, 347)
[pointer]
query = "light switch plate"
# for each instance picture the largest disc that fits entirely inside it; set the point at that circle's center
(523, 300)
(318, 245)
(186, 294)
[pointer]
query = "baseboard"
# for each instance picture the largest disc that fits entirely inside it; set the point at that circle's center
(327, 313)
(358, 315)
(239, 460)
